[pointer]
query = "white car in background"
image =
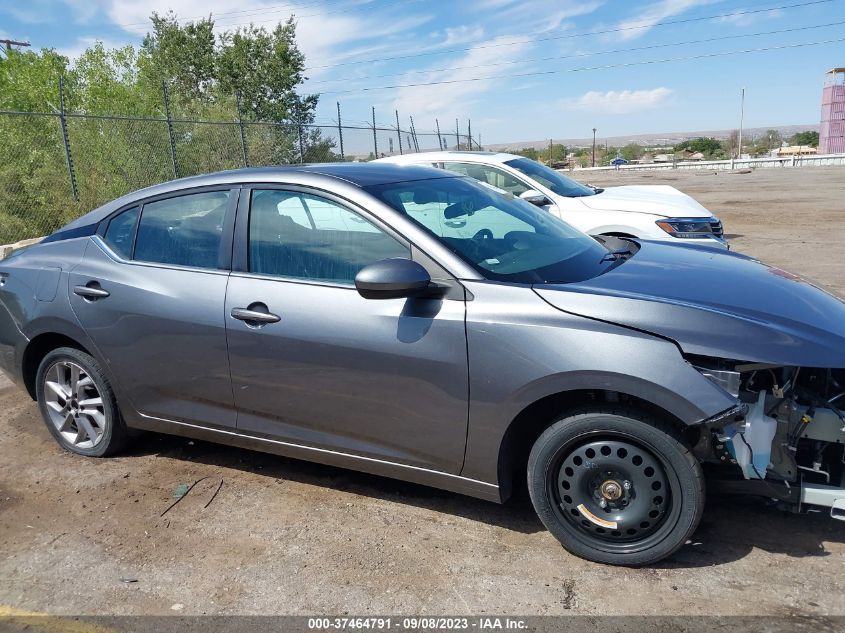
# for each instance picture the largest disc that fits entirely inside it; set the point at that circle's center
(652, 212)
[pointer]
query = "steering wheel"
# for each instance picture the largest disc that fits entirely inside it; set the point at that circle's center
(483, 235)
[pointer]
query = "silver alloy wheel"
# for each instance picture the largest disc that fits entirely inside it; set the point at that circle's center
(74, 404)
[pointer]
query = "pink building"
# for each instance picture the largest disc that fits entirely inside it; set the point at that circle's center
(832, 132)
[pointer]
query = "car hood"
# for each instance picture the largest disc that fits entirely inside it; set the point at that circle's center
(713, 303)
(653, 199)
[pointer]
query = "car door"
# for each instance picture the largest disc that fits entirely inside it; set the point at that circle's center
(150, 292)
(324, 367)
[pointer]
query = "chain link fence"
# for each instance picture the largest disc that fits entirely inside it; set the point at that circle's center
(57, 166)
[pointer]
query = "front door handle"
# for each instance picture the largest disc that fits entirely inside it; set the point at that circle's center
(255, 317)
(91, 292)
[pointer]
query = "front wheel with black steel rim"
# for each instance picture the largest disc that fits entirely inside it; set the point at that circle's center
(616, 487)
(78, 405)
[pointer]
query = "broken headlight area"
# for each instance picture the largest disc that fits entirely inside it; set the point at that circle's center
(787, 438)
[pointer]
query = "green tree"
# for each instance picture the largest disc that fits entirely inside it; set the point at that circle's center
(632, 151)
(528, 152)
(113, 156)
(771, 139)
(707, 146)
(808, 137)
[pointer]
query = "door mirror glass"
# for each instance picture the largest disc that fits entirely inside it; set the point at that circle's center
(392, 279)
(534, 197)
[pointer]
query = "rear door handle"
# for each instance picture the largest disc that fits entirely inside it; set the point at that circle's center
(256, 317)
(91, 292)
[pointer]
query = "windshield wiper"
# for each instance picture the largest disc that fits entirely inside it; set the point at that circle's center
(613, 256)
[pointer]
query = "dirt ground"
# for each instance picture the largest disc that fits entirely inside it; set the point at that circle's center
(86, 536)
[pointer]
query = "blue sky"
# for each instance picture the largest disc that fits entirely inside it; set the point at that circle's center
(355, 44)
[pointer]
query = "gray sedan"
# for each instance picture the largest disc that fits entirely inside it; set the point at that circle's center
(416, 324)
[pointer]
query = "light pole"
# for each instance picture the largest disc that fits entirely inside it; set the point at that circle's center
(594, 147)
(741, 121)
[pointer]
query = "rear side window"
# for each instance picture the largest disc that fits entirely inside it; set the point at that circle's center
(121, 232)
(302, 236)
(183, 231)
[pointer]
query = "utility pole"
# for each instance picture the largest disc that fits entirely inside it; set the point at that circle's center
(594, 147)
(741, 120)
(551, 143)
(10, 43)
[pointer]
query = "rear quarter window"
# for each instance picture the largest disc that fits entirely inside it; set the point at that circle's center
(120, 233)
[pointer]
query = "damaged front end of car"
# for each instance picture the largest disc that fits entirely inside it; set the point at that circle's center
(785, 440)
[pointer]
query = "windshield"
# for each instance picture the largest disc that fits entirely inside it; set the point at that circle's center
(550, 178)
(504, 238)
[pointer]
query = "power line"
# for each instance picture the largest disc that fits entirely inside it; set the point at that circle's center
(589, 68)
(320, 14)
(244, 12)
(574, 35)
(578, 55)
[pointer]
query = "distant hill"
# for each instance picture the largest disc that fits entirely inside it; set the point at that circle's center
(653, 140)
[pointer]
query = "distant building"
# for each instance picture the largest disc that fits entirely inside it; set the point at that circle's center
(832, 132)
(795, 150)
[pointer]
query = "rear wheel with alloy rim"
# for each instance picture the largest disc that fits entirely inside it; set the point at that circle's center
(616, 487)
(77, 403)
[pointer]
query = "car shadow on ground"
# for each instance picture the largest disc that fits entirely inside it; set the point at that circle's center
(731, 528)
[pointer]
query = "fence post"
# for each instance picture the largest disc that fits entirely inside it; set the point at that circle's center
(375, 138)
(399, 133)
(439, 139)
(340, 132)
(301, 144)
(68, 156)
(457, 135)
(241, 126)
(170, 132)
(414, 135)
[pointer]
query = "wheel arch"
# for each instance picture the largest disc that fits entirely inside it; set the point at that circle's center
(536, 417)
(35, 351)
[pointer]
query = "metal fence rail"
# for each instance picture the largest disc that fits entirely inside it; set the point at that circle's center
(58, 165)
(816, 160)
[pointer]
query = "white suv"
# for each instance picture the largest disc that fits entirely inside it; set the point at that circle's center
(652, 212)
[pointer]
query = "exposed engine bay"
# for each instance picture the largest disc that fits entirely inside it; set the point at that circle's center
(787, 438)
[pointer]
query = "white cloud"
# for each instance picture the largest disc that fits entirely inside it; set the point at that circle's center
(81, 44)
(326, 36)
(640, 24)
(749, 18)
(449, 100)
(619, 101)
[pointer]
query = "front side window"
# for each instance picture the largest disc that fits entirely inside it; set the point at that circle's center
(183, 231)
(491, 175)
(504, 238)
(121, 232)
(302, 236)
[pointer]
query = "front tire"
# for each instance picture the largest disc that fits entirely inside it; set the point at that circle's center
(616, 487)
(78, 404)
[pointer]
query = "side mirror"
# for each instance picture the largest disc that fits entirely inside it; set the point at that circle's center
(534, 197)
(392, 279)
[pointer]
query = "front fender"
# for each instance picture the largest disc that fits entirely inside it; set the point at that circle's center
(521, 350)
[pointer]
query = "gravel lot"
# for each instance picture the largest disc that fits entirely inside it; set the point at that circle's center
(85, 536)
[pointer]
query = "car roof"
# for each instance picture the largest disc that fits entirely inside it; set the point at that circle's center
(355, 174)
(449, 155)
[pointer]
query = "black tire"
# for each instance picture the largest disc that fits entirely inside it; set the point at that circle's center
(113, 432)
(579, 465)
